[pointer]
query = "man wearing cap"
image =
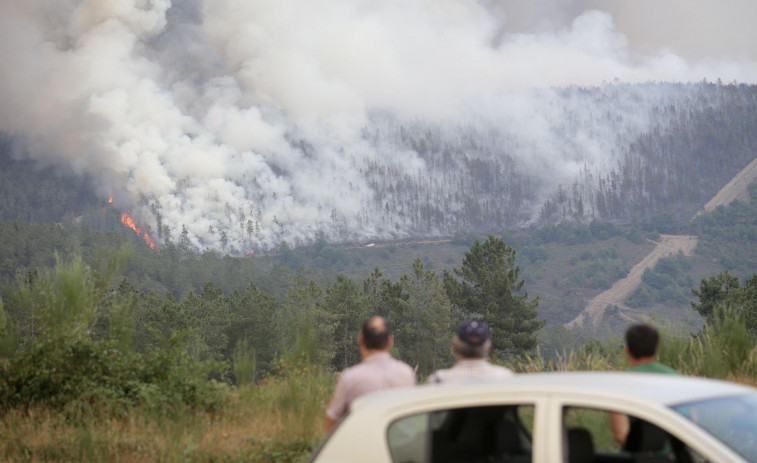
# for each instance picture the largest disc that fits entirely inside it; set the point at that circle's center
(377, 371)
(471, 346)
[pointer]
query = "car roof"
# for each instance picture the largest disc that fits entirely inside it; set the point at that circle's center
(663, 389)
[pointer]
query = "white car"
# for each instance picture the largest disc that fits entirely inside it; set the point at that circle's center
(551, 418)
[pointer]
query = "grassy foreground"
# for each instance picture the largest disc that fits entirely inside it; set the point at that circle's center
(280, 419)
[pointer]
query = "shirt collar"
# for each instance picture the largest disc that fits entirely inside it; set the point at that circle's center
(472, 361)
(378, 357)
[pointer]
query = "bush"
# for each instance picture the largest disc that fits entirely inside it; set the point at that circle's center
(596, 272)
(635, 236)
(534, 253)
(722, 349)
(603, 230)
(73, 375)
(64, 362)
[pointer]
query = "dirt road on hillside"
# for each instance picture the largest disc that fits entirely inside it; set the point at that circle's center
(737, 188)
(668, 244)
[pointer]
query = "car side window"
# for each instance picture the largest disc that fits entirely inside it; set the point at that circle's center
(588, 437)
(499, 433)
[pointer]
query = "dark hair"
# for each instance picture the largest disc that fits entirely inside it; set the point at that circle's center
(642, 340)
(376, 333)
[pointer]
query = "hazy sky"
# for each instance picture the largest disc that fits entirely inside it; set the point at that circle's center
(192, 107)
(692, 29)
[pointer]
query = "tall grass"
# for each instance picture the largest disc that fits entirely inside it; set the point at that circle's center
(587, 358)
(278, 420)
(724, 349)
(243, 362)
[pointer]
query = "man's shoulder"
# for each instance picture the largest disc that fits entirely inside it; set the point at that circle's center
(401, 364)
(653, 367)
(401, 369)
(499, 370)
(377, 364)
(466, 371)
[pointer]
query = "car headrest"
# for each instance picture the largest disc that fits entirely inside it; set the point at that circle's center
(580, 446)
(645, 437)
(509, 440)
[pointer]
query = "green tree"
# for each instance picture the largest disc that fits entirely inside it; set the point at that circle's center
(381, 295)
(308, 334)
(210, 313)
(345, 302)
(8, 337)
(723, 292)
(157, 318)
(424, 320)
(713, 291)
(488, 286)
(253, 318)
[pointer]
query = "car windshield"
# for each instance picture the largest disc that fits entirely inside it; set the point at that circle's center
(733, 420)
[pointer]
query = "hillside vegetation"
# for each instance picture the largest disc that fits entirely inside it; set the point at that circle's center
(177, 350)
(75, 386)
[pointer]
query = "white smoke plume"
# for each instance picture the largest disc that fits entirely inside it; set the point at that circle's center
(247, 118)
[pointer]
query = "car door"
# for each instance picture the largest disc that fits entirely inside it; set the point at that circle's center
(580, 428)
(480, 425)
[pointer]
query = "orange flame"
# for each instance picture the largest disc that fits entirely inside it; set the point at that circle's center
(129, 222)
(110, 200)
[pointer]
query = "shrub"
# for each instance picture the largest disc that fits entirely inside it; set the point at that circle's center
(69, 374)
(64, 364)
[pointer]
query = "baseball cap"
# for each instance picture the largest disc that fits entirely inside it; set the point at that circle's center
(473, 332)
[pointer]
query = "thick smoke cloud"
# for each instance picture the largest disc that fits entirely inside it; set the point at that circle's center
(246, 118)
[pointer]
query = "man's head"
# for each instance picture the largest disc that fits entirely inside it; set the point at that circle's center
(472, 340)
(641, 341)
(376, 335)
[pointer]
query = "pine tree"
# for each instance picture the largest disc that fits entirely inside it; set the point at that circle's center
(489, 287)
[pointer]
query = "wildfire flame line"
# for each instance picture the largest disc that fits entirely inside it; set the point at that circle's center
(129, 222)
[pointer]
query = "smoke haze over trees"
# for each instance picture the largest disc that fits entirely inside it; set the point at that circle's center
(232, 125)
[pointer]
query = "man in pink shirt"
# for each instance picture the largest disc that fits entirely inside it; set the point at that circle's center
(377, 371)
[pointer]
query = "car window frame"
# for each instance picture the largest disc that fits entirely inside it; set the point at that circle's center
(525, 432)
(659, 415)
(539, 402)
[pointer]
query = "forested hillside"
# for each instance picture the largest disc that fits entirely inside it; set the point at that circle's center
(83, 328)
(565, 265)
(685, 143)
(621, 153)
(35, 193)
(675, 166)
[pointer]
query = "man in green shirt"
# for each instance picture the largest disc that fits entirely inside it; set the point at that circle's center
(641, 348)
